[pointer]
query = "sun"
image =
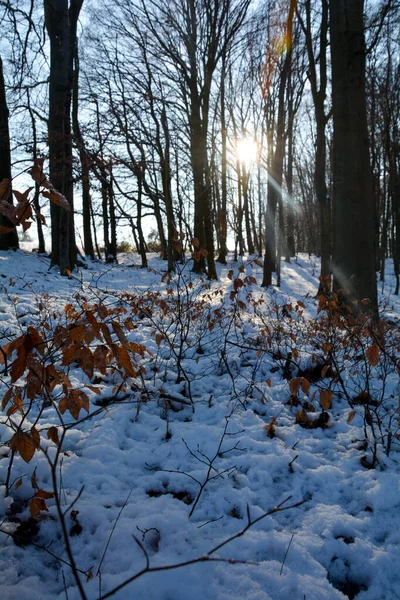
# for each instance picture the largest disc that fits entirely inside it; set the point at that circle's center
(246, 151)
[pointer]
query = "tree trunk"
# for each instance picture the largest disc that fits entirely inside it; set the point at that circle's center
(60, 147)
(83, 157)
(354, 260)
(223, 227)
(275, 174)
(8, 240)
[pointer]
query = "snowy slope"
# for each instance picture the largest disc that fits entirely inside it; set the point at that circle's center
(141, 461)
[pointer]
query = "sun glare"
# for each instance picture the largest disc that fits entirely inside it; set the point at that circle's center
(246, 150)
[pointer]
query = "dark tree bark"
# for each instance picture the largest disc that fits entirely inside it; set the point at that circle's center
(275, 174)
(354, 259)
(318, 85)
(41, 246)
(84, 157)
(61, 26)
(8, 240)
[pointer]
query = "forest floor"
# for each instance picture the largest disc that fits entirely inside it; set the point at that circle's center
(208, 426)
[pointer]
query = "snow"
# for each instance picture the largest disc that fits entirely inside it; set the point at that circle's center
(139, 463)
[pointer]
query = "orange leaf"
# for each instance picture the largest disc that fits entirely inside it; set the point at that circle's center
(269, 383)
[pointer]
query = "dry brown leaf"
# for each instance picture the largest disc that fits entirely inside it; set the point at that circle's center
(351, 416)
(295, 385)
(52, 435)
(18, 483)
(24, 444)
(43, 494)
(305, 385)
(372, 354)
(6, 398)
(57, 198)
(35, 506)
(325, 399)
(123, 360)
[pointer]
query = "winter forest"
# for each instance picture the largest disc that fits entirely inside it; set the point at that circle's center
(200, 299)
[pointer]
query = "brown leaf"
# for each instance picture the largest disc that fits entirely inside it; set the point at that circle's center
(35, 436)
(24, 444)
(5, 189)
(35, 506)
(258, 262)
(294, 385)
(269, 383)
(57, 198)
(6, 398)
(69, 354)
(324, 370)
(9, 211)
(351, 416)
(19, 365)
(18, 483)
(73, 403)
(18, 404)
(372, 354)
(120, 334)
(77, 333)
(302, 417)
(325, 399)
(101, 358)
(36, 172)
(195, 242)
(94, 389)
(106, 333)
(43, 494)
(86, 362)
(123, 360)
(52, 435)
(305, 385)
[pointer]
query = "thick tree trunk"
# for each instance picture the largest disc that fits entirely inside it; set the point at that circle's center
(354, 260)
(7, 240)
(63, 251)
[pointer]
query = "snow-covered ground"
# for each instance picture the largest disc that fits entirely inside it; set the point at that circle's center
(141, 462)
